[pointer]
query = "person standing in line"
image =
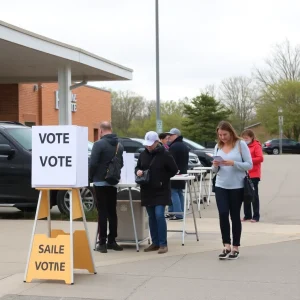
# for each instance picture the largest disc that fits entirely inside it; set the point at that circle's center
(156, 194)
(180, 152)
(102, 153)
(233, 160)
(255, 174)
(164, 139)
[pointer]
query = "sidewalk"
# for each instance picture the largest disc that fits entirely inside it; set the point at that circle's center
(268, 269)
(185, 272)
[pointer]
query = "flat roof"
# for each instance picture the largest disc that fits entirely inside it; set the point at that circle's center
(28, 57)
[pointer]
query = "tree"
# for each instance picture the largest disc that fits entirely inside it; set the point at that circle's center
(240, 96)
(171, 115)
(202, 116)
(126, 106)
(285, 94)
(283, 65)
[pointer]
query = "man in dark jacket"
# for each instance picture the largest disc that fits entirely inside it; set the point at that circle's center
(156, 194)
(180, 152)
(102, 153)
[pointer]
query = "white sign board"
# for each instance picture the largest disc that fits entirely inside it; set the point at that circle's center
(59, 156)
(127, 172)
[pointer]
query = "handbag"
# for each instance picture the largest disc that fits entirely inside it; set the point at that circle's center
(145, 178)
(249, 190)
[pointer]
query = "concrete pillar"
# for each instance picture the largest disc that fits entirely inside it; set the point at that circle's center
(64, 95)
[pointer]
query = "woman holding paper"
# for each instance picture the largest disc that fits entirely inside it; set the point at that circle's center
(232, 159)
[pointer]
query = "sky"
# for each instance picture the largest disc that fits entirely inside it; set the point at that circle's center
(202, 42)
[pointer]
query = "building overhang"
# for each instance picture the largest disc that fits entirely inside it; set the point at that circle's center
(28, 57)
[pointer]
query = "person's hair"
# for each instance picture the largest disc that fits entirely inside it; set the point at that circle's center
(250, 133)
(106, 126)
(162, 136)
(224, 125)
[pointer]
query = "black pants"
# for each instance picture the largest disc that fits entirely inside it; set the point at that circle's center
(255, 204)
(107, 210)
(230, 201)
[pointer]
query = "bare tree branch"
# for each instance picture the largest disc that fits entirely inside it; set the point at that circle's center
(239, 95)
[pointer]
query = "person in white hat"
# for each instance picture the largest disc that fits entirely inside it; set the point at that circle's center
(156, 194)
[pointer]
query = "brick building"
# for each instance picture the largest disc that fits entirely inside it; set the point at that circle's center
(37, 104)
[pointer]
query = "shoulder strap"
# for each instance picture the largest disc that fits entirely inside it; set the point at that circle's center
(117, 149)
(240, 150)
(152, 161)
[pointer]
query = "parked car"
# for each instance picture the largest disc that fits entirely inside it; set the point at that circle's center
(15, 173)
(204, 154)
(193, 158)
(288, 146)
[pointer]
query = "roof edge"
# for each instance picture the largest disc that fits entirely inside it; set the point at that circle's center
(41, 37)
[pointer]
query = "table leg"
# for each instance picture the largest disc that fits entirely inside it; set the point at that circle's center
(209, 187)
(133, 220)
(184, 210)
(195, 223)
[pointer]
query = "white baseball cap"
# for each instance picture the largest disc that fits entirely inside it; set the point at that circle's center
(150, 138)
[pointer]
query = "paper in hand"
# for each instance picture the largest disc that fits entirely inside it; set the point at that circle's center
(218, 158)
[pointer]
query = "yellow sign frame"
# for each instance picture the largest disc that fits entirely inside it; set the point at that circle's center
(55, 256)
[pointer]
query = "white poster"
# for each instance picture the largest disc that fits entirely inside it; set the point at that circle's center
(127, 172)
(59, 156)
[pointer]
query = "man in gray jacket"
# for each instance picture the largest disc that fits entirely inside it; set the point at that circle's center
(102, 153)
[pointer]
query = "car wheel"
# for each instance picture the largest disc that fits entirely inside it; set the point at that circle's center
(275, 151)
(88, 200)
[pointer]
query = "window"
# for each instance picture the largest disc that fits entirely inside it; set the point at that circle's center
(3, 140)
(291, 142)
(30, 124)
(22, 135)
(96, 134)
(193, 145)
(131, 146)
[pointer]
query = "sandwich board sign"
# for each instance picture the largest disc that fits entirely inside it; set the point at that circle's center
(59, 156)
(59, 162)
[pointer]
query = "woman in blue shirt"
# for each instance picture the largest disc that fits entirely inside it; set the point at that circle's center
(230, 168)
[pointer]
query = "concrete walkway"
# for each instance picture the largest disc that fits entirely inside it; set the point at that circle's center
(269, 266)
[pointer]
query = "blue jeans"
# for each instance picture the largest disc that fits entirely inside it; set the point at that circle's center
(158, 225)
(177, 202)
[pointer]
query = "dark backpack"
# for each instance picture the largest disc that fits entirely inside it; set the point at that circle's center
(113, 174)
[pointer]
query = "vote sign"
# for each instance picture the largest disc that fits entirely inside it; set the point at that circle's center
(59, 156)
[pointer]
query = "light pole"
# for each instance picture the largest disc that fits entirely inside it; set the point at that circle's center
(159, 125)
(280, 121)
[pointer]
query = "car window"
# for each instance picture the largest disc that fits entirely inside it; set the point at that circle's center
(131, 146)
(3, 140)
(193, 145)
(291, 142)
(90, 146)
(22, 135)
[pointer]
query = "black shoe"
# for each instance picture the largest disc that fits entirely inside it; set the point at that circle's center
(225, 254)
(168, 216)
(174, 218)
(114, 246)
(101, 248)
(234, 255)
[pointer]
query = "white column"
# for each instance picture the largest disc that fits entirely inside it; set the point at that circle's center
(64, 95)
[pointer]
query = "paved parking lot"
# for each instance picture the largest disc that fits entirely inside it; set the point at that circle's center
(269, 266)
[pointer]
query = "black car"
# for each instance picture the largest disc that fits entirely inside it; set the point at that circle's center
(15, 173)
(204, 154)
(288, 146)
